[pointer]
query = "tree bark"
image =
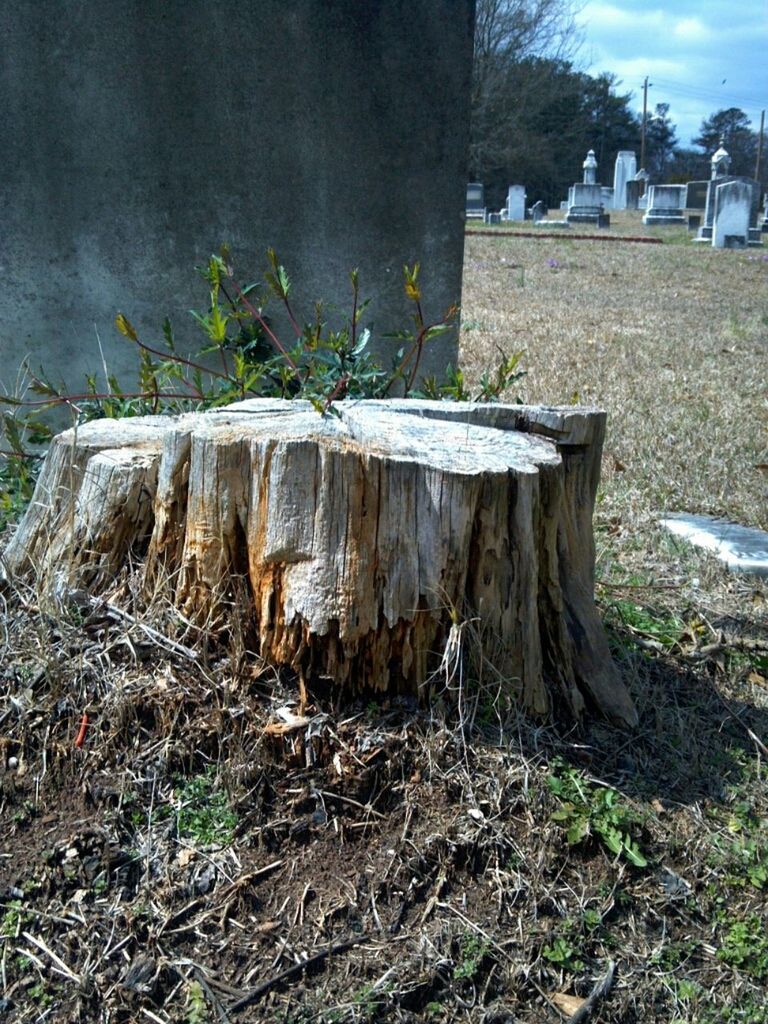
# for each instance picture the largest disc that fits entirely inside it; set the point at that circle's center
(363, 537)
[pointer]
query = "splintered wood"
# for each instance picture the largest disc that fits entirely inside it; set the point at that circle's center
(358, 539)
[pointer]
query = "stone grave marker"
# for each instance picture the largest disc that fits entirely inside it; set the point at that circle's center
(665, 205)
(634, 189)
(705, 231)
(590, 168)
(585, 204)
(516, 202)
(696, 195)
(742, 548)
(624, 171)
(730, 229)
(138, 137)
(475, 205)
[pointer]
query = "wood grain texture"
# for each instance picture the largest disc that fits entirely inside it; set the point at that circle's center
(357, 537)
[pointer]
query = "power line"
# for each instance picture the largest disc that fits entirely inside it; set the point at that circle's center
(702, 93)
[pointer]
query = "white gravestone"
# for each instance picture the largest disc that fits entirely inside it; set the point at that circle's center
(516, 202)
(590, 168)
(665, 205)
(624, 170)
(733, 202)
(585, 204)
(475, 201)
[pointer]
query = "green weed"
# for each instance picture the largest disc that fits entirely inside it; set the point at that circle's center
(242, 357)
(196, 1009)
(745, 945)
(204, 814)
(665, 629)
(13, 920)
(745, 856)
(563, 953)
(472, 952)
(587, 809)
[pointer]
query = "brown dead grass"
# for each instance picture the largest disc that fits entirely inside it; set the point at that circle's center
(672, 340)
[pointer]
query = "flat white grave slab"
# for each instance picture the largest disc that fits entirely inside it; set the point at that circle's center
(742, 548)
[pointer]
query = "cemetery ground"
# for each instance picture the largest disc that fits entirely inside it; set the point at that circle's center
(202, 848)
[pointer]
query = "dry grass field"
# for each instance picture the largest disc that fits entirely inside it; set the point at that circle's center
(672, 341)
(190, 856)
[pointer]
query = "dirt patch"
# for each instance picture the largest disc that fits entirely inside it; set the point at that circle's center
(215, 852)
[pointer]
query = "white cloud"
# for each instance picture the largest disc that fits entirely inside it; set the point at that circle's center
(603, 19)
(701, 55)
(692, 30)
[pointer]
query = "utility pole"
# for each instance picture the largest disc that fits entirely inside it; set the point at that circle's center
(759, 146)
(645, 118)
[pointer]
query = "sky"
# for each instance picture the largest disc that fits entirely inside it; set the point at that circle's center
(700, 56)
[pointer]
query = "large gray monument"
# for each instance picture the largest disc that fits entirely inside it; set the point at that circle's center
(135, 138)
(624, 170)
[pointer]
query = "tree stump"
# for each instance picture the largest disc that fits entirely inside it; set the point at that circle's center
(360, 536)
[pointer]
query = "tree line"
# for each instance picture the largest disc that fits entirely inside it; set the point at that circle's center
(535, 115)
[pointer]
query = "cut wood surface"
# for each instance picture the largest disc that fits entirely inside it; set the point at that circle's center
(358, 538)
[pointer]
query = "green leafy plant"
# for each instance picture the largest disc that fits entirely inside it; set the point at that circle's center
(743, 851)
(569, 946)
(196, 1009)
(244, 355)
(665, 629)
(472, 951)
(745, 945)
(564, 954)
(587, 809)
(13, 920)
(203, 813)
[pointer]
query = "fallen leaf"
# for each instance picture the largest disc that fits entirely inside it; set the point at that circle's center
(184, 857)
(757, 679)
(618, 465)
(567, 1004)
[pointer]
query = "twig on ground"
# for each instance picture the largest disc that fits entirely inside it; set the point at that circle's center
(290, 972)
(601, 989)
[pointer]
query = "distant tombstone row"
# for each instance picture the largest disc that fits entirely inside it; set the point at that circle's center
(729, 204)
(515, 209)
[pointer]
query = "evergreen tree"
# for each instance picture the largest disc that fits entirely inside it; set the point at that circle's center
(732, 126)
(660, 142)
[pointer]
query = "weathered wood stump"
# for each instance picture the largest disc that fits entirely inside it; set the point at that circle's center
(359, 535)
